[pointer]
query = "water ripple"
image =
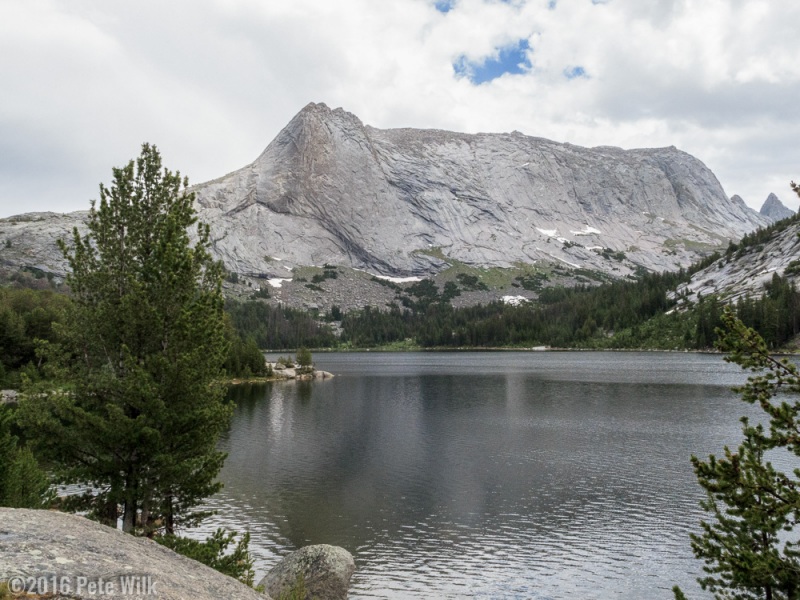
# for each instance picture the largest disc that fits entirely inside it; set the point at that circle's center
(513, 475)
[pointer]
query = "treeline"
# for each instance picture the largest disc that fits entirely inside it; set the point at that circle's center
(577, 316)
(277, 327)
(30, 317)
(639, 313)
(622, 314)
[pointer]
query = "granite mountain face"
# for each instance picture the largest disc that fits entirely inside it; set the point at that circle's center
(400, 202)
(329, 189)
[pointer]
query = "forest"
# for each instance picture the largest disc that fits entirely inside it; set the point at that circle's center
(621, 314)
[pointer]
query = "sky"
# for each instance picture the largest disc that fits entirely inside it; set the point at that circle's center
(83, 83)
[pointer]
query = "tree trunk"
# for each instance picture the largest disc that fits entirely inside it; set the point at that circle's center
(130, 509)
(169, 517)
(129, 516)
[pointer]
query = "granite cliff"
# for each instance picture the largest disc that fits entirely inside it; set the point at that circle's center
(329, 189)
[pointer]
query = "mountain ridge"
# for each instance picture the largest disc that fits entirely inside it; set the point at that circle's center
(403, 202)
(483, 199)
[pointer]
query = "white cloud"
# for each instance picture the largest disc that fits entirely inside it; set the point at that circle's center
(211, 82)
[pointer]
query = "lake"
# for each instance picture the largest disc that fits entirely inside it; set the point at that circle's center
(484, 474)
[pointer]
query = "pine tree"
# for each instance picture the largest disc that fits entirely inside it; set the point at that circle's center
(139, 409)
(23, 484)
(304, 359)
(750, 544)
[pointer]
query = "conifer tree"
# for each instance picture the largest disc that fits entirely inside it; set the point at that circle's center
(23, 484)
(750, 543)
(138, 409)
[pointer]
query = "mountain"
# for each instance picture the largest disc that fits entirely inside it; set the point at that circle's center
(329, 189)
(774, 210)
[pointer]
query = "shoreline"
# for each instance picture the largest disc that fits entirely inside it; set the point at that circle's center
(447, 349)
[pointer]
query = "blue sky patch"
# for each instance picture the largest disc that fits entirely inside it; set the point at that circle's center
(444, 6)
(552, 4)
(509, 59)
(575, 72)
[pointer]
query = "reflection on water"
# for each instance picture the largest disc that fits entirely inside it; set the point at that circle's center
(486, 475)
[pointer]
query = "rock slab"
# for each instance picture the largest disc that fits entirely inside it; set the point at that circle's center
(58, 555)
(326, 572)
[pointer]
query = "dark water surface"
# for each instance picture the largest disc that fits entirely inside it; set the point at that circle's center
(484, 475)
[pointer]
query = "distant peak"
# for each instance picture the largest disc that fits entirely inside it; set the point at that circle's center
(774, 209)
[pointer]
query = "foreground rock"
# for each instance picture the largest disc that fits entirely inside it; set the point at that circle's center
(72, 557)
(326, 572)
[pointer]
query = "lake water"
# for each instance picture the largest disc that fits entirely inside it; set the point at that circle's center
(484, 475)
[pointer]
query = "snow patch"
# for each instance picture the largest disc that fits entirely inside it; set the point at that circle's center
(548, 232)
(514, 300)
(288, 268)
(587, 231)
(398, 279)
(277, 281)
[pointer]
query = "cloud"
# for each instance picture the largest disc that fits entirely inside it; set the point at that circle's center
(211, 82)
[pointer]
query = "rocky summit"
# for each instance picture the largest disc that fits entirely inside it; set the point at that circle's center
(774, 210)
(403, 202)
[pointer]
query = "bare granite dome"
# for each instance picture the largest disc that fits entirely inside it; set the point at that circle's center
(329, 189)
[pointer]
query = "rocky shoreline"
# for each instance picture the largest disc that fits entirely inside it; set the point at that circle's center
(281, 372)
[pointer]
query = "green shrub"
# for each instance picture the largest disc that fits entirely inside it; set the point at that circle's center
(793, 268)
(296, 592)
(212, 552)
